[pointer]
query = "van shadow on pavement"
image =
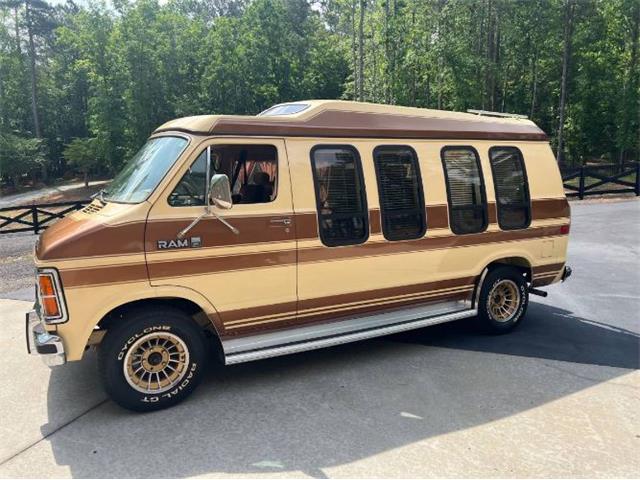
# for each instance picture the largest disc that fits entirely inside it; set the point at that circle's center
(549, 332)
(325, 408)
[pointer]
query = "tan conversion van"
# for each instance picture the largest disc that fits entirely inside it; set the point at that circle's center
(312, 224)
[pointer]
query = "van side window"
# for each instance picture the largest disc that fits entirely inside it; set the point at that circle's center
(465, 190)
(252, 172)
(402, 204)
(343, 216)
(512, 190)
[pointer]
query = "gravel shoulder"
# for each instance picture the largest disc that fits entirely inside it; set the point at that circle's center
(16, 266)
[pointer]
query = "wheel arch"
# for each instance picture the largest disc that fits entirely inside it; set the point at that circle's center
(184, 299)
(521, 261)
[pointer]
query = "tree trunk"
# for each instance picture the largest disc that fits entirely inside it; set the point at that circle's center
(631, 88)
(534, 83)
(33, 73)
(354, 51)
(566, 59)
(34, 86)
(2, 100)
(634, 68)
(86, 179)
(17, 27)
(489, 58)
(361, 52)
(439, 73)
(387, 54)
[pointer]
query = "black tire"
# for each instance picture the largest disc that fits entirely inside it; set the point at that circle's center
(186, 351)
(498, 280)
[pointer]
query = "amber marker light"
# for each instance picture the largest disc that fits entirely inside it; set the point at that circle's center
(49, 297)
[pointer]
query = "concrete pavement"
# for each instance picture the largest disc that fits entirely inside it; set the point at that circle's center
(558, 397)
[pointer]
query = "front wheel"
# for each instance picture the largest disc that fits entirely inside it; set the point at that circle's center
(153, 359)
(503, 300)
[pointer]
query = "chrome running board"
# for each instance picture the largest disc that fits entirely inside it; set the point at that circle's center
(301, 339)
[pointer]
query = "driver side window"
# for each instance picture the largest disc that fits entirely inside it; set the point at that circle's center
(252, 172)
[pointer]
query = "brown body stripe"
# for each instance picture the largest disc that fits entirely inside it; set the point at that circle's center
(554, 267)
(213, 233)
(306, 225)
(210, 265)
(492, 212)
(216, 264)
(319, 254)
(545, 274)
(550, 208)
(71, 238)
(437, 216)
(324, 316)
(276, 310)
(544, 281)
(375, 221)
(371, 295)
(347, 300)
(90, 277)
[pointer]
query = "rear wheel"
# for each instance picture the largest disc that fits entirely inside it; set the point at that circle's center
(153, 360)
(503, 300)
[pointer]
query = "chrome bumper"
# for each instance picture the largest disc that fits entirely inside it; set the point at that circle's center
(40, 342)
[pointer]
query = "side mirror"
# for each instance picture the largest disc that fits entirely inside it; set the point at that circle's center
(220, 192)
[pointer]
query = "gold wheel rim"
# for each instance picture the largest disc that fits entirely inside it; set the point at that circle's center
(156, 362)
(503, 300)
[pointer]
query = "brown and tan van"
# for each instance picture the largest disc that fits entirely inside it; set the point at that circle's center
(312, 224)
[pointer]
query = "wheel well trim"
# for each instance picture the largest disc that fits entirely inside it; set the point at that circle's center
(157, 293)
(496, 261)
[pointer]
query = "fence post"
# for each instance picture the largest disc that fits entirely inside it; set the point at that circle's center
(34, 218)
(581, 190)
(637, 179)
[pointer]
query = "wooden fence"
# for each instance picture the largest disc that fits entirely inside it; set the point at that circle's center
(604, 179)
(35, 218)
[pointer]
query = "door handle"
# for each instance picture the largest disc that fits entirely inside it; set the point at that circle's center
(281, 221)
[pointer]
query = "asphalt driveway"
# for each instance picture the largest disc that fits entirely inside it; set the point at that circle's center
(558, 397)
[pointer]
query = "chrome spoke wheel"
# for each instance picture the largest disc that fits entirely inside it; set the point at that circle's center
(156, 362)
(503, 300)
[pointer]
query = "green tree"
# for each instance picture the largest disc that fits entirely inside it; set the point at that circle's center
(83, 154)
(20, 157)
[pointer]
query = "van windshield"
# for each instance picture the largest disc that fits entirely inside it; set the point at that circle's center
(141, 175)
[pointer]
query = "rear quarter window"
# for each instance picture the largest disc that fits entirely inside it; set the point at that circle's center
(465, 190)
(511, 187)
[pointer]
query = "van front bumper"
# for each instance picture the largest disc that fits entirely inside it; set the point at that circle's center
(40, 342)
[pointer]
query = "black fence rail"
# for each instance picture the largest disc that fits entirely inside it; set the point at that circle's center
(604, 179)
(37, 217)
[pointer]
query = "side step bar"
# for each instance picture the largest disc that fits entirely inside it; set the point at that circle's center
(329, 341)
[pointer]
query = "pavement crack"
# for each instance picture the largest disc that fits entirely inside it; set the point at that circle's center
(55, 430)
